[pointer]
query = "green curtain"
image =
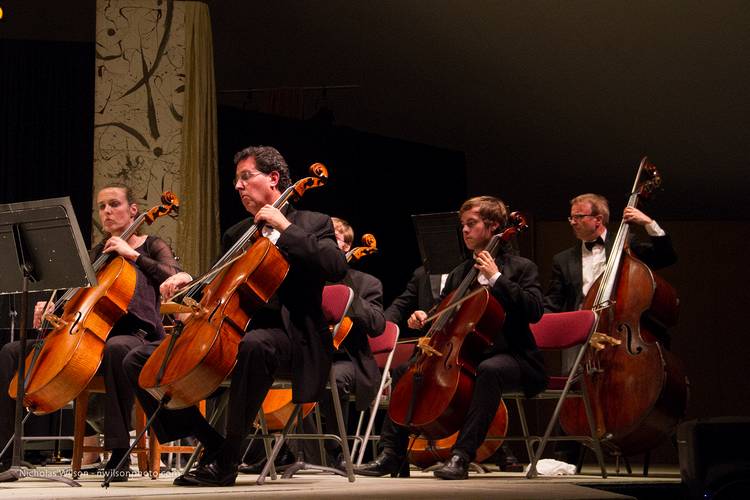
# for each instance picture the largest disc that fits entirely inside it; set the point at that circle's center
(198, 223)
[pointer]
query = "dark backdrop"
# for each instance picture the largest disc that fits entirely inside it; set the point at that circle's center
(535, 101)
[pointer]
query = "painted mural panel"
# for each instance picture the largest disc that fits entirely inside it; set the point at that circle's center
(140, 47)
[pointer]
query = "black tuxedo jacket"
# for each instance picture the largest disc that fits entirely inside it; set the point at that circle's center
(564, 292)
(519, 292)
(366, 313)
(309, 246)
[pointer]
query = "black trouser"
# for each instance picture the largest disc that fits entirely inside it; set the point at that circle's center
(494, 374)
(120, 397)
(118, 402)
(263, 354)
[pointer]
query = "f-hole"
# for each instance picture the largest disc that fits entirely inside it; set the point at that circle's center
(633, 349)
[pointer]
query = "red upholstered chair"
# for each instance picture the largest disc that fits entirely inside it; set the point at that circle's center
(336, 302)
(383, 348)
(558, 331)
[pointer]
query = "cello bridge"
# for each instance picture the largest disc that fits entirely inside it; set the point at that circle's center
(56, 321)
(424, 344)
(600, 340)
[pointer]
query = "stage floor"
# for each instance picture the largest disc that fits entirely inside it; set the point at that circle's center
(318, 485)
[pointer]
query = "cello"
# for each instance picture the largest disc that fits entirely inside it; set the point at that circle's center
(196, 360)
(61, 366)
(433, 396)
(277, 406)
(638, 389)
(425, 452)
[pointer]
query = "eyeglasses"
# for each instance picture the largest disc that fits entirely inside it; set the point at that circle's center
(245, 176)
(578, 217)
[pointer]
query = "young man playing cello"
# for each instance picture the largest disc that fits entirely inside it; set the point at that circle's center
(514, 282)
(289, 335)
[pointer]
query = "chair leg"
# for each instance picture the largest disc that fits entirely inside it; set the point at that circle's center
(525, 429)
(342, 427)
(277, 445)
(321, 444)
(592, 428)
(266, 442)
(79, 431)
(357, 438)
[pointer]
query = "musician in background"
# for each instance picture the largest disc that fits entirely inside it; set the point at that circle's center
(288, 335)
(514, 282)
(574, 270)
(154, 262)
(417, 295)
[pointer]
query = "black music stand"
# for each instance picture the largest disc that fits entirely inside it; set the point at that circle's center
(41, 248)
(441, 245)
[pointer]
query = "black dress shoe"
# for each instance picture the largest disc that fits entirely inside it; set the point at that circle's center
(181, 480)
(207, 457)
(510, 465)
(284, 458)
(455, 468)
(211, 474)
(385, 463)
(117, 476)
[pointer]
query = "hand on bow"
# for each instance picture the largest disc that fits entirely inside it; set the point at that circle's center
(416, 320)
(173, 284)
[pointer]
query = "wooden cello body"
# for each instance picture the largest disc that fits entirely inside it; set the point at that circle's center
(72, 352)
(193, 362)
(425, 452)
(71, 355)
(205, 352)
(638, 389)
(433, 396)
(442, 384)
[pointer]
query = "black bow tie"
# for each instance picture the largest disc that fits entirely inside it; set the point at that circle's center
(590, 244)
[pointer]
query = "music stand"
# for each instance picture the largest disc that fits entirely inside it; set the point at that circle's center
(440, 244)
(41, 248)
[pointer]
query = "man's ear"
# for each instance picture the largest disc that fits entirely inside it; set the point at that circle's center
(273, 178)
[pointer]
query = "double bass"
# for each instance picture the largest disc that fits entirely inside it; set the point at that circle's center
(63, 365)
(434, 394)
(638, 389)
(195, 360)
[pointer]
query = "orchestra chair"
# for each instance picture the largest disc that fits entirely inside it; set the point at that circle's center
(336, 301)
(556, 332)
(383, 348)
(145, 462)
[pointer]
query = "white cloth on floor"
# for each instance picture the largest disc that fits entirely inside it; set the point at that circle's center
(550, 467)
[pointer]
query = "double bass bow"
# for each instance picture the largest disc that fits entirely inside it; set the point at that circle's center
(433, 396)
(60, 367)
(637, 388)
(195, 360)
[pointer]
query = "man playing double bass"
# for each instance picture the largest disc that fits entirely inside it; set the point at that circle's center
(574, 270)
(514, 282)
(289, 335)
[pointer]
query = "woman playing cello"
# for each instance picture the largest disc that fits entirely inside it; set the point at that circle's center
(514, 364)
(153, 262)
